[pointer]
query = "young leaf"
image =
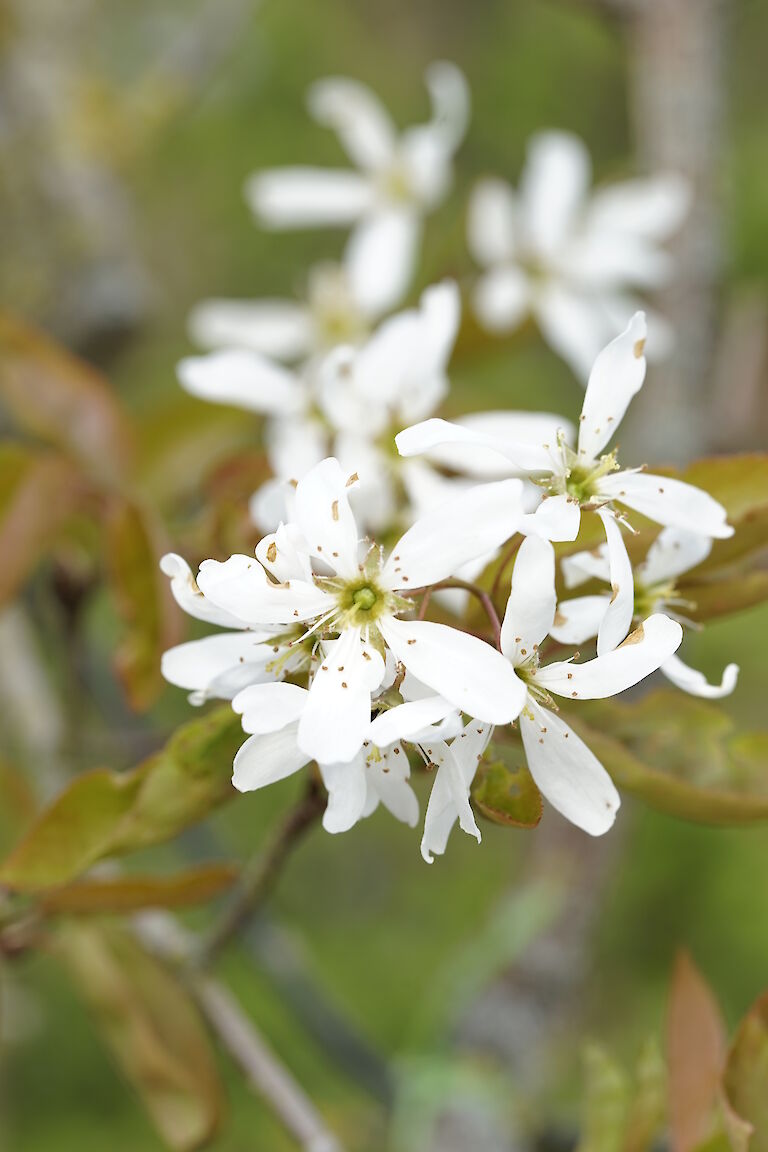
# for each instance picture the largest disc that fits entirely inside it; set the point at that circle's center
(133, 893)
(104, 813)
(605, 1103)
(746, 1074)
(647, 1109)
(53, 395)
(152, 1029)
(695, 1057)
(506, 793)
(151, 620)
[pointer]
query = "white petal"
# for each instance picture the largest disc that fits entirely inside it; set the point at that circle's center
(244, 379)
(276, 328)
(358, 118)
(409, 720)
(450, 792)
(468, 526)
(644, 650)
(284, 554)
(271, 504)
(616, 377)
(266, 759)
(502, 298)
(567, 773)
(388, 775)
(552, 188)
(573, 324)
(337, 715)
(694, 682)
(380, 257)
(267, 707)
(189, 597)
(325, 518)
(579, 619)
(492, 222)
(308, 197)
(295, 445)
(582, 566)
(218, 666)
(538, 429)
(473, 676)
(347, 794)
(531, 605)
(556, 518)
(653, 208)
(670, 502)
(616, 622)
(449, 93)
(240, 585)
(672, 553)
(601, 261)
(434, 433)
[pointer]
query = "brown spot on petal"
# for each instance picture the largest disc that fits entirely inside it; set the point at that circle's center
(638, 349)
(635, 637)
(272, 552)
(335, 509)
(614, 592)
(353, 479)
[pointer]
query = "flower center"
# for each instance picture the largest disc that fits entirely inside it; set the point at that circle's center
(580, 478)
(364, 598)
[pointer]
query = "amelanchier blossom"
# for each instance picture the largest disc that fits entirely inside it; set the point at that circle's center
(312, 573)
(287, 330)
(566, 772)
(399, 179)
(588, 476)
(653, 589)
(571, 260)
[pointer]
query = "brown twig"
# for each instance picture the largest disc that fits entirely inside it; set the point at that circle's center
(507, 557)
(480, 595)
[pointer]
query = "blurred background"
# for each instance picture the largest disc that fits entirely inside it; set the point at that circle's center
(465, 992)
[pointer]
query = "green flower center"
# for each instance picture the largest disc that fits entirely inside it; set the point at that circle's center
(364, 598)
(580, 478)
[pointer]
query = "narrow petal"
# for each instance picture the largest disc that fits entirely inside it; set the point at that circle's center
(474, 677)
(337, 715)
(573, 323)
(502, 298)
(388, 775)
(617, 376)
(381, 255)
(266, 759)
(579, 619)
(434, 433)
(556, 518)
(240, 585)
(244, 379)
(450, 791)
(531, 605)
(552, 189)
(669, 502)
(347, 794)
(539, 429)
(463, 528)
(325, 518)
(267, 707)
(284, 554)
(653, 208)
(449, 93)
(672, 553)
(617, 620)
(217, 666)
(188, 596)
(295, 444)
(695, 683)
(492, 222)
(567, 773)
(644, 650)
(308, 197)
(358, 118)
(409, 720)
(583, 566)
(278, 328)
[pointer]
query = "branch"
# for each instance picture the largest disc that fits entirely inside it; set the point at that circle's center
(484, 599)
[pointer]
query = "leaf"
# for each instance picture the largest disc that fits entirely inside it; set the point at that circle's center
(152, 622)
(52, 394)
(102, 813)
(605, 1103)
(746, 1074)
(695, 1057)
(39, 492)
(647, 1109)
(724, 597)
(132, 893)
(740, 483)
(152, 1028)
(506, 794)
(679, 755)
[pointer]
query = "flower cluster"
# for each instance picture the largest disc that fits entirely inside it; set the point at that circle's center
(380, 512)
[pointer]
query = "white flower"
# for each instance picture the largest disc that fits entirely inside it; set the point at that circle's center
(571, 261)
(287, 329)
(399, 180)
(672, 553)
(378, 773)
(362, 603)
(221, 665)
(456, 764)
(587, 476)
(566, 772)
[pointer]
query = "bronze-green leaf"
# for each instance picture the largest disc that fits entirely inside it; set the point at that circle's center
(102, 813)
(123, 894)
(746, 1073)
(504, 791)
(695, 1057)
(152, 1028)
